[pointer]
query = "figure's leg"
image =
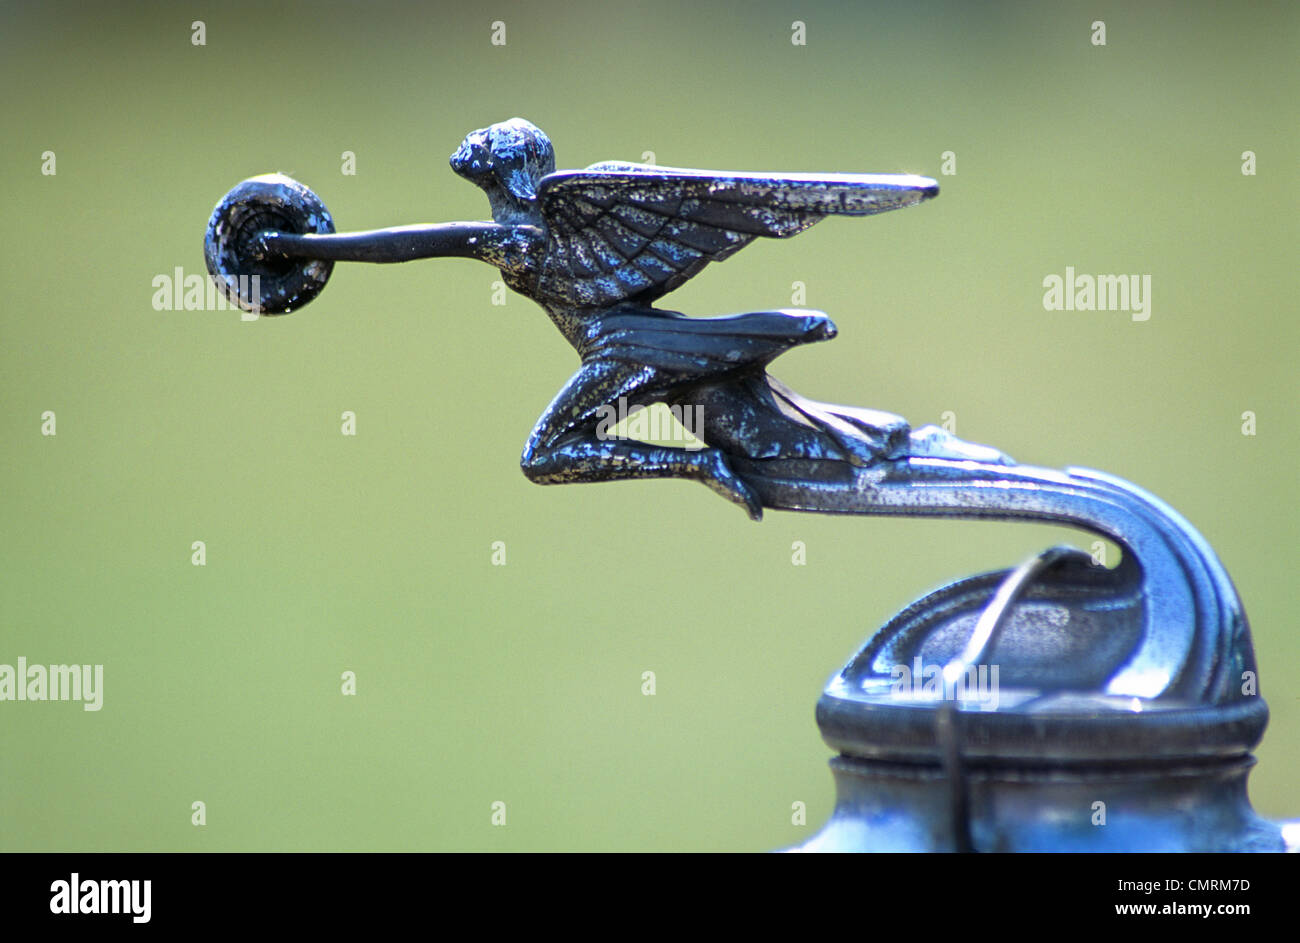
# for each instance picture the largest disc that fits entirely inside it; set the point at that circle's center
(760, 418)
(866, 435)
(757, 416)
(869, 434)
(564, 446)
(742, 418)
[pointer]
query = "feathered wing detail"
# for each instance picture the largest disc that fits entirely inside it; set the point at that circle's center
(618, 232)
(702, 347)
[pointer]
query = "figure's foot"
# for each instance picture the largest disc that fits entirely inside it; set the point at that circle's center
(934, 442)
(716, 473)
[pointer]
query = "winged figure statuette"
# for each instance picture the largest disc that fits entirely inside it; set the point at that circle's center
(597, 248)
(1138, 663)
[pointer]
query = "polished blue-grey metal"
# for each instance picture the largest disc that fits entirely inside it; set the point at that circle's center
(1191, 808)
(1133, 686)
(253, 280)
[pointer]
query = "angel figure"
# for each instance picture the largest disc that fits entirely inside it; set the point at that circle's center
(596, 248)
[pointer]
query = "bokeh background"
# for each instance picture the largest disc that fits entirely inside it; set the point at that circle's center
(372, 553)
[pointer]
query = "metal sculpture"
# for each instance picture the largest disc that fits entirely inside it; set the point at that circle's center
(1136, 682)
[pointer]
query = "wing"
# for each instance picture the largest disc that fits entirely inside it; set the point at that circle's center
(618, 232)
(703, 347)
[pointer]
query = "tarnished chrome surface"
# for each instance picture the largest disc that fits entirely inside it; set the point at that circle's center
(1117, 708)
(906, 808)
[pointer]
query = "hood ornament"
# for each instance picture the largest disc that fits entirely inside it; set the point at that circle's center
(1060, 705)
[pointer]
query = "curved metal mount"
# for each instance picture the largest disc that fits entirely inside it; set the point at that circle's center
(1194, 642)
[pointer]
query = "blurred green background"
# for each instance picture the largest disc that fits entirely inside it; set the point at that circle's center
(522, 683)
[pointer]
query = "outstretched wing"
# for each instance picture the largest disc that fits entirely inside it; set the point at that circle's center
(618, 232)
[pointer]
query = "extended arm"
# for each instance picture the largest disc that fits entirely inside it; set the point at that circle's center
(395, 244)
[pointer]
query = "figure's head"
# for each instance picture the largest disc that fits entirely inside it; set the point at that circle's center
(507, 160)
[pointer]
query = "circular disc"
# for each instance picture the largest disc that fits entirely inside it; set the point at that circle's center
(230, 247)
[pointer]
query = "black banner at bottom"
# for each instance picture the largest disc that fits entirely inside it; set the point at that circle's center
(139, 893)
